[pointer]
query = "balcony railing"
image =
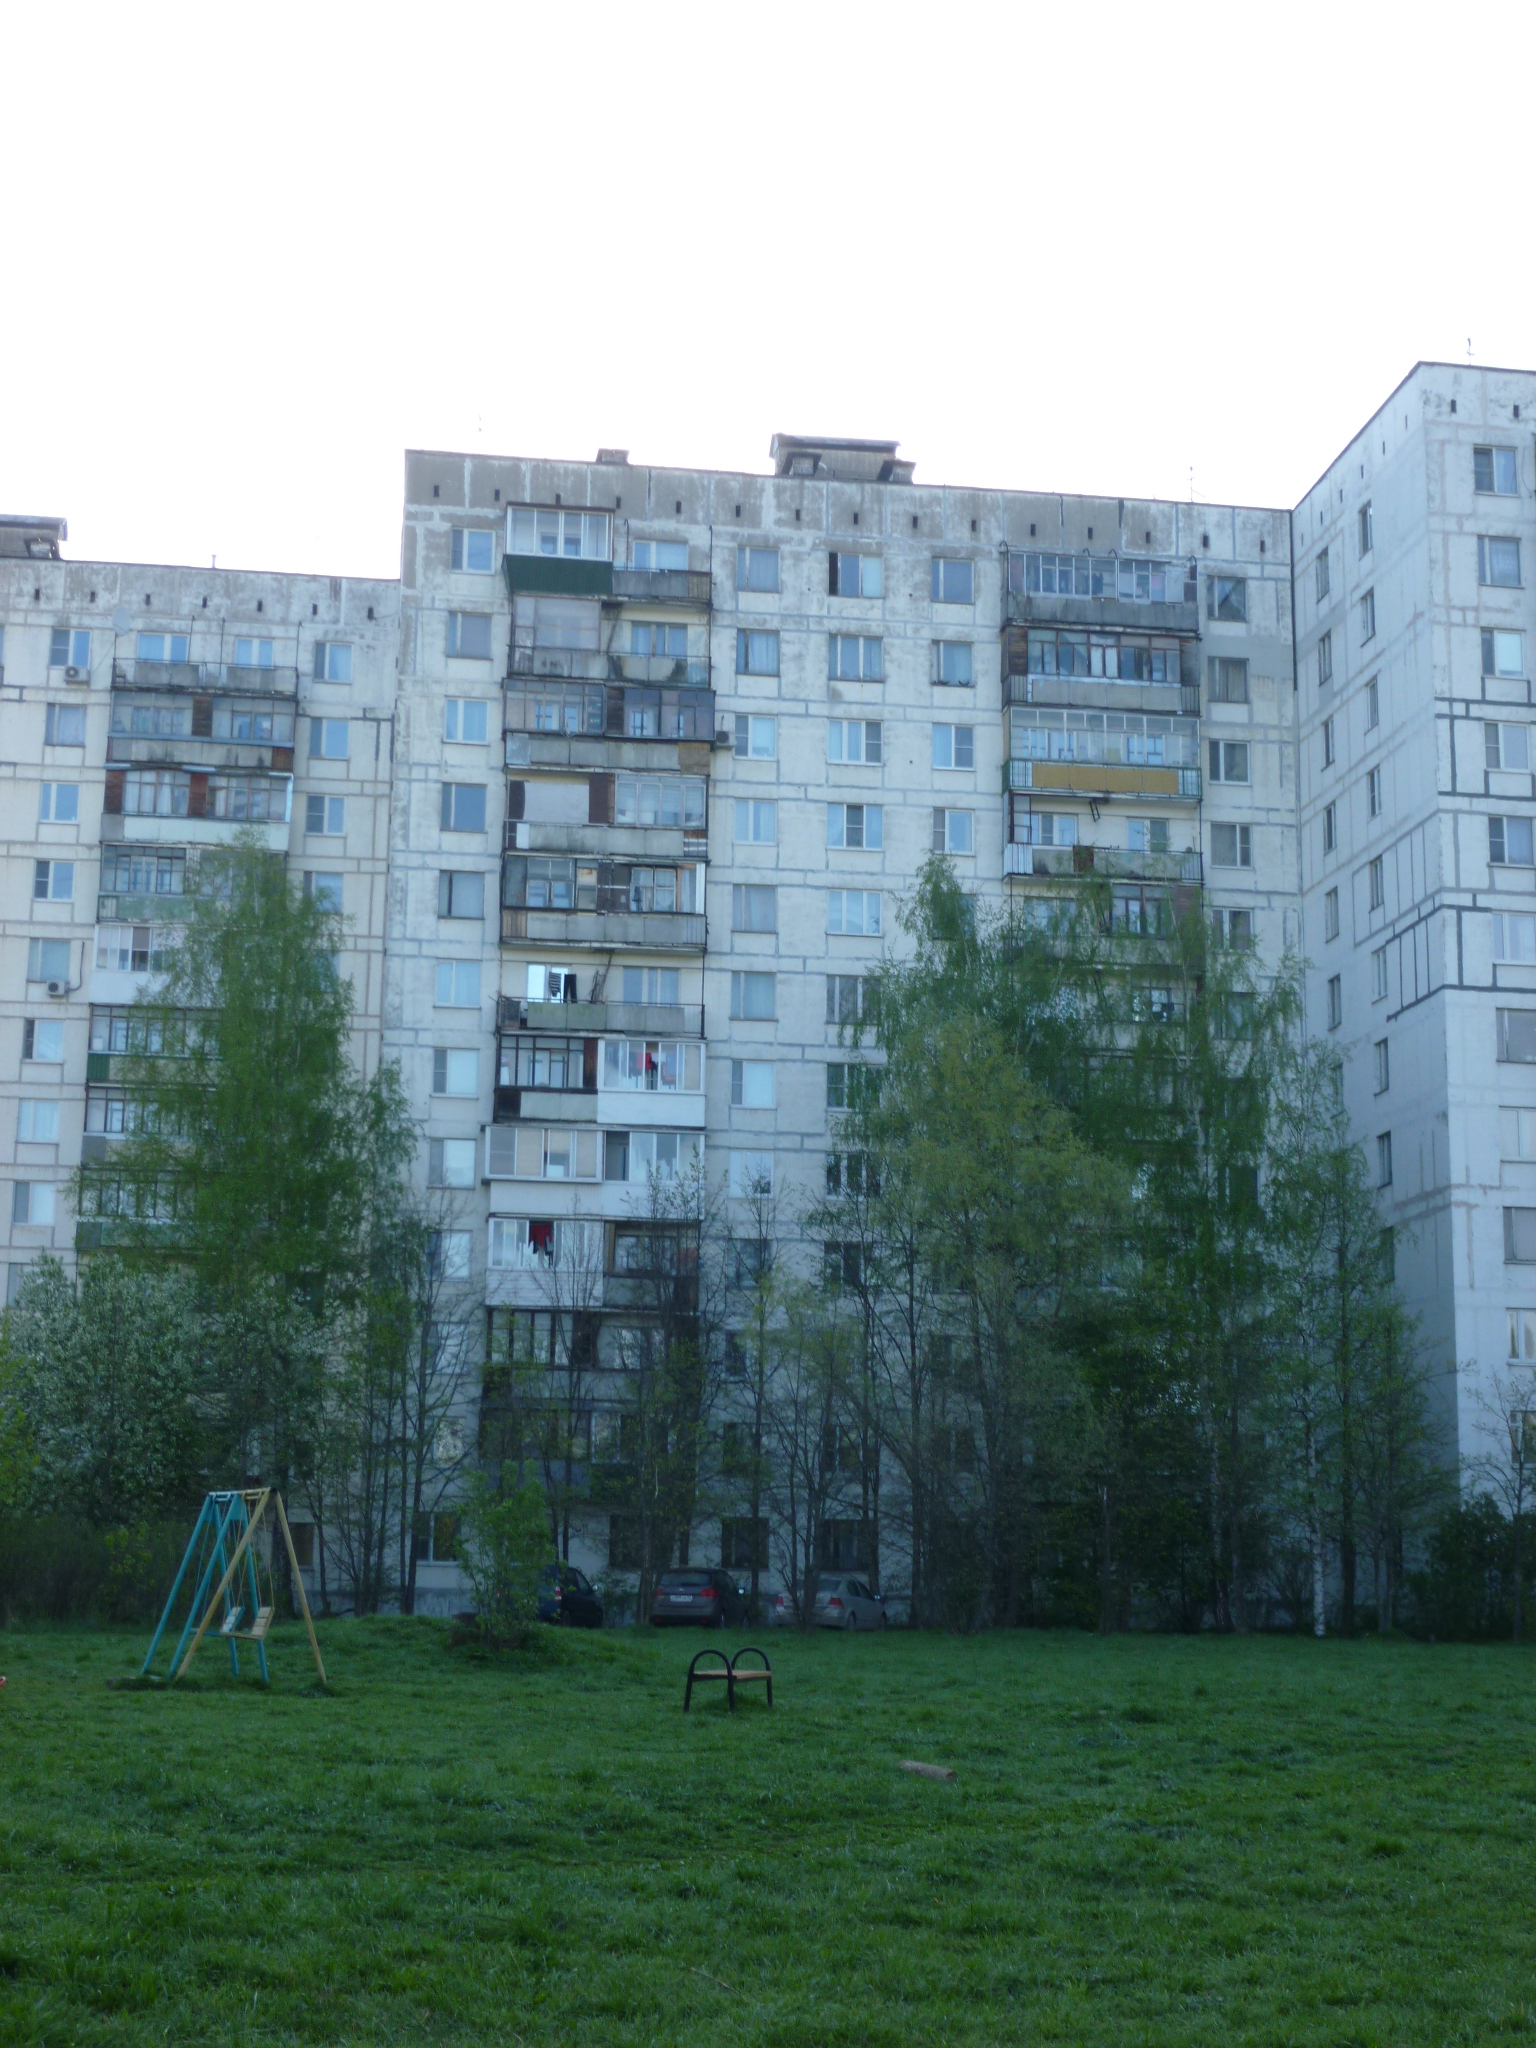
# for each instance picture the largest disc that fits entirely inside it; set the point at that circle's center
(627, 1020)
(622, 711)
(225, 677)
(585, 664)
(1125, 579)
(692, 587)
(1115, 863)
(1102, 779)
(1102, 693)
(661, 930)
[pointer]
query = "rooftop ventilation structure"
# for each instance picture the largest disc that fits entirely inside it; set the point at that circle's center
(852, 462)
(29, 538)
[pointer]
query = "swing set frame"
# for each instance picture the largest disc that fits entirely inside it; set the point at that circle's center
(230, 1518)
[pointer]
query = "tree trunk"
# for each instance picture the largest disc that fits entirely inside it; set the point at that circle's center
(1315, 1535)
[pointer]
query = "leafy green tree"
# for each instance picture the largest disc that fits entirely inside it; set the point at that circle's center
(506, 1547)
(107, 1370)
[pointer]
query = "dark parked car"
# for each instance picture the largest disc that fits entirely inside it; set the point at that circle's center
(568, 1595)
(708, 1599)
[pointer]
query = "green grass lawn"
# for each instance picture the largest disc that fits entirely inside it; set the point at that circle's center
(1150, 1841)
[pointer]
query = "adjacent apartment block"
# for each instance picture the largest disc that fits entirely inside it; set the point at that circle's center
(621, 785)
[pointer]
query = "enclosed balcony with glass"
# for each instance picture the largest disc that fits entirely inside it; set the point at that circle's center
(602, 902)
(1108, 590)
(1102, 754)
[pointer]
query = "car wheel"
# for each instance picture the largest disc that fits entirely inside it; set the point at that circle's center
(852, 1622)
(885, 1619)
(718, 1621)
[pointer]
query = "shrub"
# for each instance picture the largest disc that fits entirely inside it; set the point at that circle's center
(504, 1546)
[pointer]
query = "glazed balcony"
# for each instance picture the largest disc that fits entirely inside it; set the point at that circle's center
(221, 677)
(602, 1019)
(1101, 693)
(1114, 591)
(599, 710)
(653, 931)
(1100, 779)
(1108, 862)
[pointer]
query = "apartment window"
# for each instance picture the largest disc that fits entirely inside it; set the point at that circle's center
(458, 984)
(37, 1122)
(53, 881)
(641, 985)
(573, 536)
(1226, 597)
(756, 822)
(463, 807)
(1320, 577)
(1379, 975)
(954, 746)
(753, 908)
(1335, 1002)
(1522, 1336)
(466, 720)
(469, 636)
(855, 576)
(1330, 827)
(952, 582)
(656, 642)
(1509, 843)
(460, 894)
(1517, 1133)
(1384, 1160)
(253, 653)
(32, 1203)
(1507, 746)
(1331, 914)
(64, 725)
(42, 1038)
(328, 739)
(757, 739)
(1368, 617)
(752, 1084)
(856, 826)
(853, 739)
(324, 889)
(1520, 1237)
(325, 817)
(60, 804)
(1231, 846)
(1383, 1065)
(757, 569)
(850, 998)
(1228, 760)
(1324, 660)
(48, 960)
(333, 661)
(1372, 705)
(451, 1163)
(169, 648)
(751, 1173)
(474, 550)
(1503, 653)
(1494, 471)
(954, 831)
(1367, 528)
(1498, 562)
(854, 913)
(1045, 828)
(1226, 681)
(68, 648)
(757, 654)
(1234, 928)
(659, 554)
(1327, 742)
(1373, 792)
(455, 1071)
(752, 997)
(953, 665)
(1517, 1036)
(1514, 937)
(448, 1254)
(1146, 835)
(853, 658)
(1376, 880)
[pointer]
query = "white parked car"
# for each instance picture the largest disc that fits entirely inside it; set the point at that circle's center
(847, 1602)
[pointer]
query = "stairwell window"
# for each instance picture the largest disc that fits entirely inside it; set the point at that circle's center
(460, 895)
(1226, 598)
(1372, 705)
(462, 807)
(1335, 1001)
(466, 720)
(458, 984)
(1503, 653)
(473, 550)
(1367, 528)
(1384, 1160)
(1327, 742)
(1517, 1036)
(1509, 843)
(1373, 792)
(1382, 1057)
(1324, 660)
(325, 817)
(469, 636)
(1320, 577)
(1330, 827)
(1368, 617)
(455, 1071)
(1228, 760)
(32, 1203)
(1376, 882)
(451, 1162)
(1498, 562)
(333, 661)
(1331, 914)
(1514, 936)
(1379, 975)
(328, 739)
(326, 890)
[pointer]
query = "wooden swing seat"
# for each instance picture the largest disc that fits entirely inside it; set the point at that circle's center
(230, 1626)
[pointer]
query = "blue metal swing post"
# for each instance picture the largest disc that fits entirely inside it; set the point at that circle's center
(222, 1517)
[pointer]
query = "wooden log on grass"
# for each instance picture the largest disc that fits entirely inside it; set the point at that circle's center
(940, 1771)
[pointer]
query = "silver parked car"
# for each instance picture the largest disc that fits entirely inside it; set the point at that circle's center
(847, 1602)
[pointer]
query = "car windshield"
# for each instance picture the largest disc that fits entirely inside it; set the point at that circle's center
(678, 1582)
(828, 1585)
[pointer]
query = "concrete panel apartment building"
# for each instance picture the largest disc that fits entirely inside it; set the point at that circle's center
(620, 785)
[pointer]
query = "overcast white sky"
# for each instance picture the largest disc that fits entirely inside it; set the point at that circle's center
(252, 253)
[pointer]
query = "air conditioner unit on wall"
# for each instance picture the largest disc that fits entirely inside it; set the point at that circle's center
(77, 675)
(58, 988)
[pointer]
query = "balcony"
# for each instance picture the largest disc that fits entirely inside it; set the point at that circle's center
(220, 676)
(631, 844)
(657, 931)
(596, 710)
(1111, 862)
(557, 575)
(1101, 779)
(1132, 592)
(120, 908)
(690, 587)
(1103, 693)
(592, 665)
(600, 1019)
(195, 806)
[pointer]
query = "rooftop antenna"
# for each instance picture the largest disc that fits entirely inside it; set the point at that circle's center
(214, 561)
(1469, 348)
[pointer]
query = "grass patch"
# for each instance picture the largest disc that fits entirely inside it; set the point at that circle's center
(1150, 1841)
